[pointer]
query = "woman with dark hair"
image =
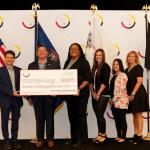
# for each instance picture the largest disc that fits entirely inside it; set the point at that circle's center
(77, 104)
(119, 99)
(100, 90)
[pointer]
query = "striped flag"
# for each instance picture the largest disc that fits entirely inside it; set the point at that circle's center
(2, 53)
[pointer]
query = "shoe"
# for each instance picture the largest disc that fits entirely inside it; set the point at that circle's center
(50, 143)
(121, 140)
(101, 139)
(69, 142)
(77, 144)
(7, 146)
(39, 143)
(133, 139)
(138, 140)
(16, 145)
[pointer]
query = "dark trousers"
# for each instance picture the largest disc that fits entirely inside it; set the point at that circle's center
(120, 121)
(14, 109)
(77, 107)
(44, 115)
(99, 109)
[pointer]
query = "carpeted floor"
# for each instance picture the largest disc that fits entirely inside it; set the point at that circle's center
(109, 145)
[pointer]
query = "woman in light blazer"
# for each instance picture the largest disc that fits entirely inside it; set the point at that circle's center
(119, 99)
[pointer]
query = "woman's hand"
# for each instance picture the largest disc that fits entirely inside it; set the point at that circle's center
(131, 97)
(111, 102)
(98, 96)
(94, 95)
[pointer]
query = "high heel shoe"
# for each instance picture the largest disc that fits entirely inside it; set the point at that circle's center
(101, 139)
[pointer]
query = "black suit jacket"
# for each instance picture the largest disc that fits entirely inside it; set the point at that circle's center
(84, 73)
(6, 91)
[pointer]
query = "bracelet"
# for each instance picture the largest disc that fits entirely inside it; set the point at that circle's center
(133, 93)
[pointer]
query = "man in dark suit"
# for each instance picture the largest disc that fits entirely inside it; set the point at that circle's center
(10, 100)
(43, 105)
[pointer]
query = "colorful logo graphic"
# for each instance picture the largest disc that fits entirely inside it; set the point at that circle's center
(63, 21)
(1, 21)
(99, 18)
(141, 55)
(17, 50)
(117, 49)
(28, 22)
(109, 115)
(129, 21)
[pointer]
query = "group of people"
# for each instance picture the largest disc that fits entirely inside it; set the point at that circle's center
(125, 93)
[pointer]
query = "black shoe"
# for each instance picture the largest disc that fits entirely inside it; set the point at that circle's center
(77, 144)
(68, 142)
(16, 145)
(7, 146)
(134, 139)
(138, 140)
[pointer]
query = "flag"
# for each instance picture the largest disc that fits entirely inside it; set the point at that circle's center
(2, 53)
(96, 39)
(44, 40)
(147, 52)
(53, 55)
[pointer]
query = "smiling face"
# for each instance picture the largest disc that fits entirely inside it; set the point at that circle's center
(131, 59)
(74, 51)
(116, 66)
(9, 59)
(99, 57)
(42, 52)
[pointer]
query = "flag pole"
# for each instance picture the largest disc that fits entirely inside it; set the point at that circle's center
(146, 8)
(35, 7)
(94, 8)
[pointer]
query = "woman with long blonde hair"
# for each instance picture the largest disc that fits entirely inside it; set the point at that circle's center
(137, 93)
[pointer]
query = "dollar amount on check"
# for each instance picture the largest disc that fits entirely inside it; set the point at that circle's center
(48, 82)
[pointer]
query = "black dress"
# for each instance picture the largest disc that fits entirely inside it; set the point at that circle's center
(140, 103)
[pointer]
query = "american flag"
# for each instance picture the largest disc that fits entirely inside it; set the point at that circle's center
(2, 53)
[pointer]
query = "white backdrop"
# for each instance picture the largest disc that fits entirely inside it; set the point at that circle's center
(126, 29)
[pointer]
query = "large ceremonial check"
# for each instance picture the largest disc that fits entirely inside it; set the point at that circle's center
(48, 82)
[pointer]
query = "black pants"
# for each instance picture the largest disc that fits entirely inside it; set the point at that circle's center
(77, 107)
(120, 121)
(14, 109)
(44, 115)
(99, 109)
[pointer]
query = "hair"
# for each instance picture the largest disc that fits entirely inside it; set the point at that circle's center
(81, 52)
(42, 45)
(136, 57)
(95, 63)
(121, 68)
(10, 52)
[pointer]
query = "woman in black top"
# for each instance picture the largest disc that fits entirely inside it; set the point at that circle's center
(137, 93)
(77, 104)
(100, 90)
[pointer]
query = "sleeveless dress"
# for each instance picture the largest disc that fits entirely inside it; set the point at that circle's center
(140, 102)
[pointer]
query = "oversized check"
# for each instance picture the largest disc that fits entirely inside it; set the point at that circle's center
(48, 82)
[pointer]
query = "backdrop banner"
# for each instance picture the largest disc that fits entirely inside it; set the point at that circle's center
(125, 30)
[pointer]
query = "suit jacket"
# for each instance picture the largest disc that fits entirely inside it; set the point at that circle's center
(35, 66)
(6, 90)
(84, 73)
